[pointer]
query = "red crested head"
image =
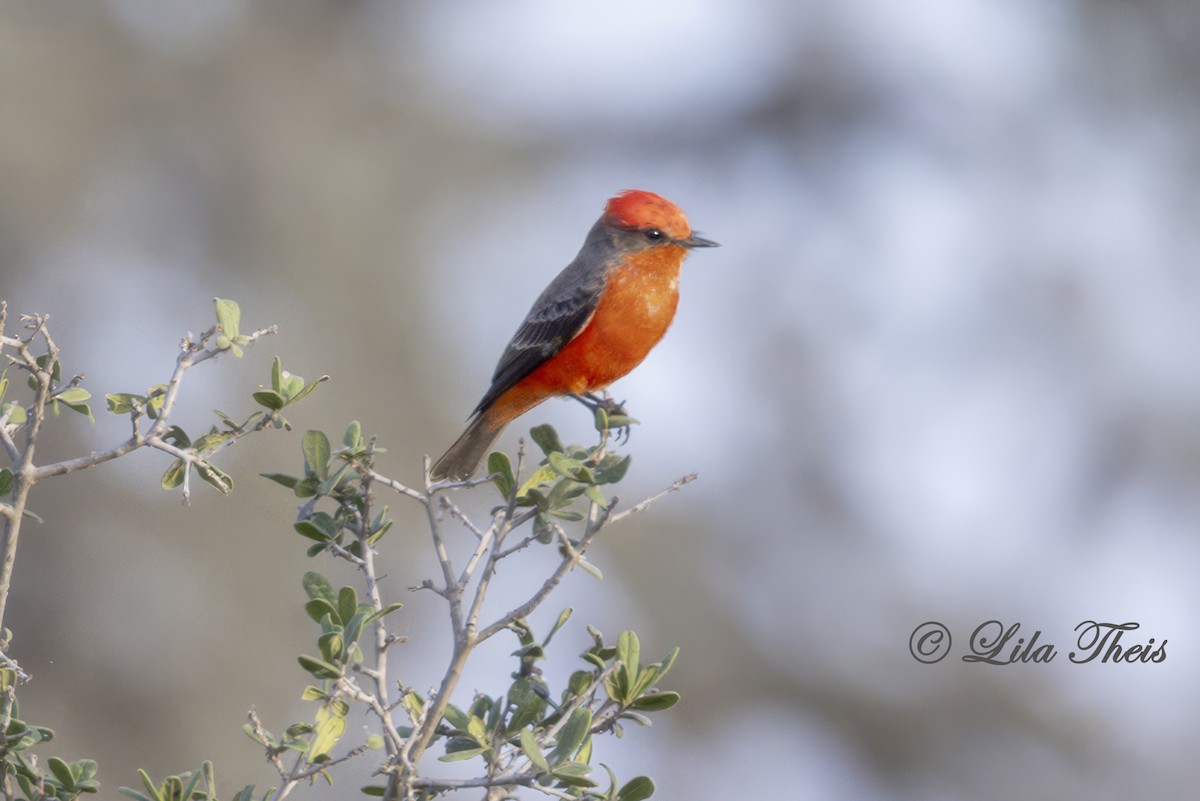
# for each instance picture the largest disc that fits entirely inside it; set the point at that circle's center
(635, 209)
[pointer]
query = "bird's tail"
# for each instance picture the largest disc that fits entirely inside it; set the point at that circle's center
(460, 461)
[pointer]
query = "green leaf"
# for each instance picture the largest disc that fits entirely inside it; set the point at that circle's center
(318, 608)
(177, 437)
(321, 529)
(601, 419)
(337, 479)
(73, 395)
(628, 651)
(215, 477)
(279, 478)
(570, 468)
(498, 463)
(456, 717)
(81, 408)
(619, 421)
(597, 497)
(572, 735)
(458, 756)
(290, 385)
(247, 794)
(6, 481)
(530, 653)
(563, 493)
(563, 617)
(319, 667)
(526, 704)
(529, 745)
(544, 475)
(186, 795)
(379, 527)
(667, 663)
(173, 477)
(84, 769)
(413, 704)
(387, 610)
(574, 774)
(312, 693)
(155, 397)
(591, 569)
(62, 772)
(353, 437)
(298, 730)
(580, 680)
(270, 399)
(333, 645)
(636, 789)
(17, 416)
(229, 317)
(316, 453)
(655, 702)
(123, 402)
(317, 586)
(148, 783)
(304, 392)
(546, 438)
(477, 731)
(347, 603)
(612, 469)
(331, 725)
(584, 754)
(211, 440)
(134, 794)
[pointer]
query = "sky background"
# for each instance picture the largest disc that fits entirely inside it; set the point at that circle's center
(938, 370)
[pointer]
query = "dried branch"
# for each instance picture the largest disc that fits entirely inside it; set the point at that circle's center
(643, 505)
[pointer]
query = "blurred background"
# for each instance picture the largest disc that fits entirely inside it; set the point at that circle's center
(943, 367)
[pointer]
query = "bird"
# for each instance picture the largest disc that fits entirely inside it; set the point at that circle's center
(596, 321)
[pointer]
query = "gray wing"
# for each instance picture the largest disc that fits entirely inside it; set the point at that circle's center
(557, 317)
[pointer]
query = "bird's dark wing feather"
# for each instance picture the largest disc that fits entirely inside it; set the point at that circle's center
(557, 317)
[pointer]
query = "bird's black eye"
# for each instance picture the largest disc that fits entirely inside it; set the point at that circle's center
(653, 234)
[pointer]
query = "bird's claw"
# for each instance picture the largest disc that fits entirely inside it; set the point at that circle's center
(610, 415)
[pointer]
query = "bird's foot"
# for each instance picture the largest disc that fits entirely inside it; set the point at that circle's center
(610, 415)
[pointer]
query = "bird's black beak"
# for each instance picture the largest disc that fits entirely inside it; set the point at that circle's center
(695, 241)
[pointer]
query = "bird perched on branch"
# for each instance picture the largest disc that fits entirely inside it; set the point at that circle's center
(594, 323)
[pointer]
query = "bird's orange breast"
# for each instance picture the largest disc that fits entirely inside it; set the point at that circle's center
(635, 309)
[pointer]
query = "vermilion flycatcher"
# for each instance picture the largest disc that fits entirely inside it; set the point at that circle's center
(594, 323)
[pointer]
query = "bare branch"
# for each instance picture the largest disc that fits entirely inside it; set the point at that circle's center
(641, 507)
(377, 706)
(90, 460)
(452, 508)
(506, 780)
(397, 486)
(261, 733)
(453, 594)
(10, 447)
(11, 664)
(597, 517)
